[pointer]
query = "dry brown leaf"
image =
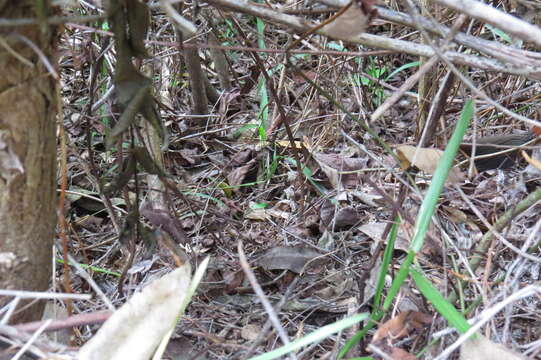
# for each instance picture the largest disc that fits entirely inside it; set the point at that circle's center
(426, 160)
(344, 218)
(375, 232)
(292, 258)
(481, 349)
(236, 176)
(401, 325)
(352, 22)
(334, 166)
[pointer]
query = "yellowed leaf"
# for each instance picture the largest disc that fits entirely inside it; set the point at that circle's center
(425, 159)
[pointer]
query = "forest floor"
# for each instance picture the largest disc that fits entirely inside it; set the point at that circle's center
(311, 212)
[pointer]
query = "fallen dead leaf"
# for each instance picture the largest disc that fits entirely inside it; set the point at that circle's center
(340, 219)
(375, 232)
(352, 22)
(292, 258)
(426, 160)
(401, 325)
(236, 176)
(336, 167)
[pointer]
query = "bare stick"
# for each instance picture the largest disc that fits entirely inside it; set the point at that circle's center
(262, 297)
(500, 19)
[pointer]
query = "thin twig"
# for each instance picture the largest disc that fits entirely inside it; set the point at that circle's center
(82, 273)
(502, 222)
(268, 323)
(488, 14)
(273, 317)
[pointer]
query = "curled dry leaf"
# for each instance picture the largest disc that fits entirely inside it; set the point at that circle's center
(402, 325)
(340, 219)
(334, 166)
(481, 348)
(426, 160)
(293, 258)
(237, 176)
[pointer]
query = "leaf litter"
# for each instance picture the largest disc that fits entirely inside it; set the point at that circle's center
(321, 230)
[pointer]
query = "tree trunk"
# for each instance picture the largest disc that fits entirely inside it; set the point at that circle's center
(27, 154)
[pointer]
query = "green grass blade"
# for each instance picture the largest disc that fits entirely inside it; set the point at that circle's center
(374, 318)
(376, 313)
(315, 336)
(385, 263)
(423, 221)
(402, 68)
(444, 307)
(93, 268)
(430, 201)
(440, 175)
(263, 115)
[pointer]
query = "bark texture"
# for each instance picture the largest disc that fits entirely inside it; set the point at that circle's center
(27, 156)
